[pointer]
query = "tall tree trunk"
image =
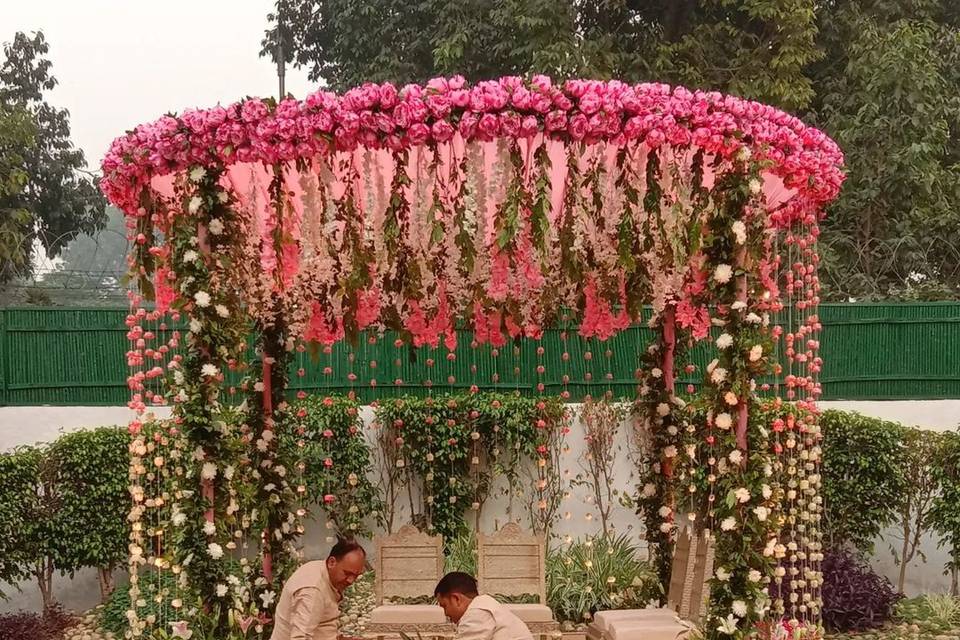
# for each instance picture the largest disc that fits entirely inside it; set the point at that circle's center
(903, 555)
(105, 575)
(44, 574)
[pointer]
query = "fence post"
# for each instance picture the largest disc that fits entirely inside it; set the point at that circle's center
(4, 350)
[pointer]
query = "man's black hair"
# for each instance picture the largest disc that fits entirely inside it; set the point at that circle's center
(456, 582)
(345, 546)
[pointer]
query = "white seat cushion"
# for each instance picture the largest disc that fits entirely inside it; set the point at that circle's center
(604, 620)
(531, 612)
(407, 614)
(653, 630)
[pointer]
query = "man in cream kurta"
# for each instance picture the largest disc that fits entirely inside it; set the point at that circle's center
(478, 617)
(309, 605)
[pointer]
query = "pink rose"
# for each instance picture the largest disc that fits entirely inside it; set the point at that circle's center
(655, 138)
(439, 106)
(510, 124)
(437, 84)
(555, 121)
(402, 116)
(384, 123)
(634, 128)
(542, 82)
(417, 134)
(578, 127)
(328, 498)
(388, 96)
(529, 127)
(350, 122)
(542, 104)
(457, 82)
(590, 103)
(468, 126)
(460, 98)
(442, 131)
(522, 99)
(488, 126)
(368, 120)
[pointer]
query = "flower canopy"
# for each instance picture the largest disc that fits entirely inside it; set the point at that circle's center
(494, 210)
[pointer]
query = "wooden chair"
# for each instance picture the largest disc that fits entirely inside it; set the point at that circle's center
(687, 596)
(408, 565)
(511, 564)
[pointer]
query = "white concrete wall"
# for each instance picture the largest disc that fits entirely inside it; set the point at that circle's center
(29, 425)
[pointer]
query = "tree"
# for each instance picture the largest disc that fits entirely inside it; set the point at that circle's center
(61, 198)
(888, 94)
(16, 135)
(757, 49)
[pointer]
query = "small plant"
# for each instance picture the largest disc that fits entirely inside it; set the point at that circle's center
(855, 598)
(601, 424)
(933, 613)
(462, 553)
(598, 573)
(32, 626)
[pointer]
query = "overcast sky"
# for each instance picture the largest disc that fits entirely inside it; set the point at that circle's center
(123, 62)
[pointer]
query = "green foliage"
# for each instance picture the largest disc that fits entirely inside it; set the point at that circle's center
(933, 613)
(113, 615)
(598, 573)
(758, 49)
(945, 511)
(449, 447)
(17, 132)
(462, 553)
(336, 460)
(889, 97)
(921, 448)
(61, 201)
(863, 477)
(91, 470)
(19, 507)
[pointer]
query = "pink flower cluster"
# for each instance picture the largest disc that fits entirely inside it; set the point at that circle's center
(376, 116)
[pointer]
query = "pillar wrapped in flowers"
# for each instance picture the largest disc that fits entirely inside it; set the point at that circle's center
(476, 215)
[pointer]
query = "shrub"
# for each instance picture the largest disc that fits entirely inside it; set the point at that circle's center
(113, 615)
(933, 613)
(863, 478)
(90, 527)
(32, 626)
(945, 513)
(462, 553)
(598, 573)
(855, 598)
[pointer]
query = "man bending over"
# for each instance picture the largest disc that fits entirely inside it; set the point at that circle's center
(477, 617)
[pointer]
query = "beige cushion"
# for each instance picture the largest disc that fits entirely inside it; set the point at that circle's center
(604, 620)
(652, 630)
(531, 612)
(407, 614)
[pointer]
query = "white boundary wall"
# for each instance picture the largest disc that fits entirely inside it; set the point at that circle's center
(29, 425)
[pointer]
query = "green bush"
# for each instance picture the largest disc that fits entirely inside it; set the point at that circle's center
(598, 573)
(336, 460)
(91, 478)
(945, 513)
(462, 553)
(863, 478)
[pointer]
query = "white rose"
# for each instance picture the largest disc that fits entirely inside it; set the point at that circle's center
(761, 513)
(210, 370)
(753, 318)
(655, 372)
(663, 409)
(756, 352)
(665, 511)
(209, 471)
(209, 528)
(724, 341)
(723, 575)
(649, 490)
(766, 491)
(197, 174)
(202, 298)
(195, 325)
(755, 186)
(216, 226)
(195, 203)
(739, 305)
(222, 590)
(723, 273)
(215, 551)
(222, 311)
(739, 608)
(723, 421)
(742, 495)
(735, 456)
(728, 524)
(718, 375)
(670, 451)
(739, 231)
(189, 255)
(753, 576)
